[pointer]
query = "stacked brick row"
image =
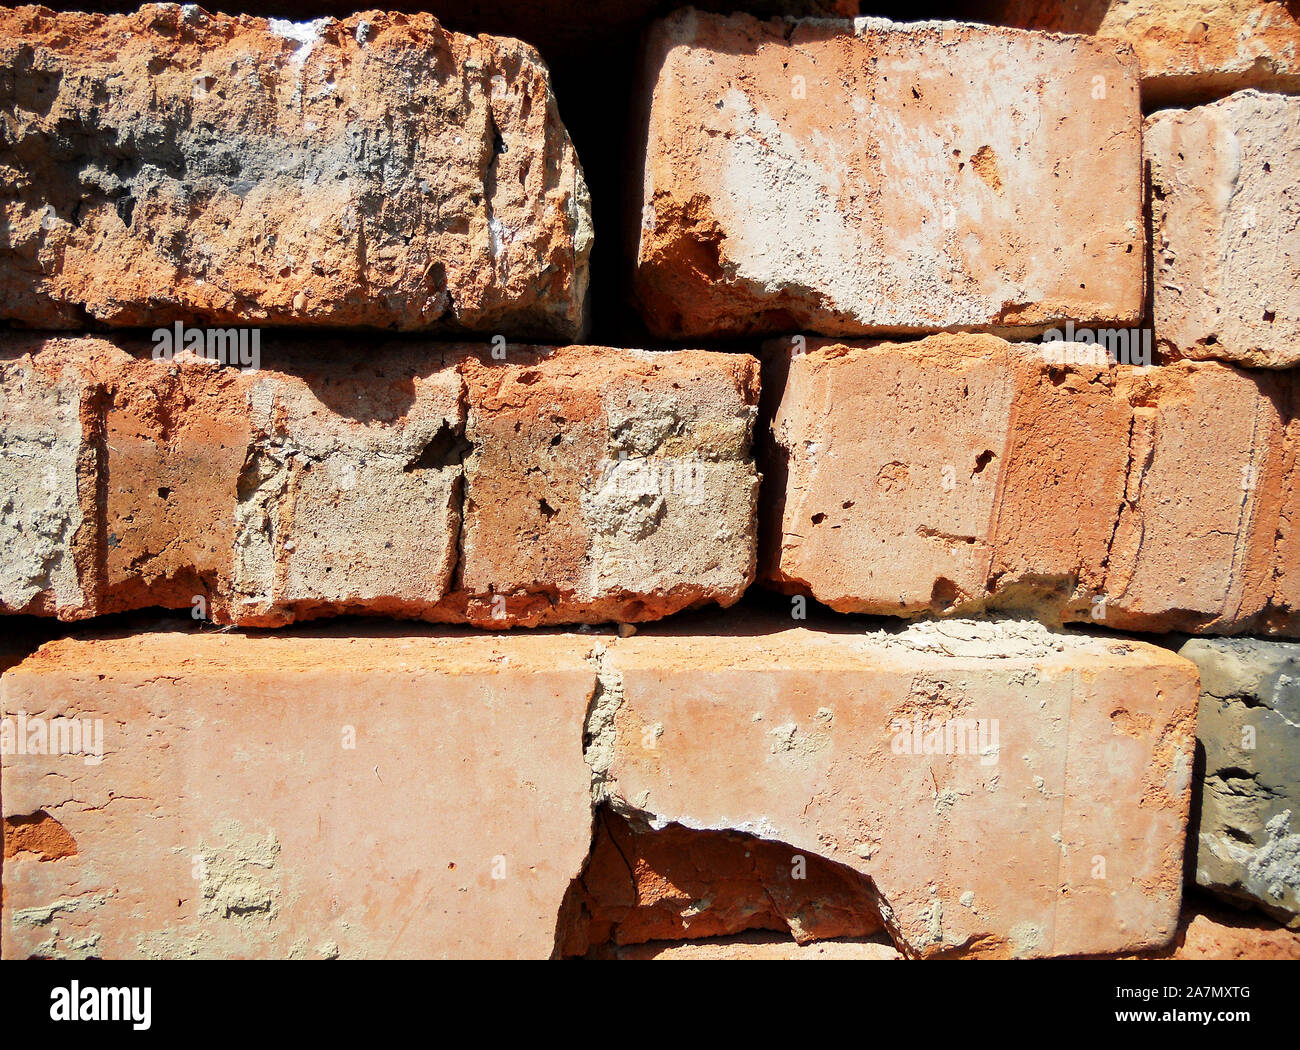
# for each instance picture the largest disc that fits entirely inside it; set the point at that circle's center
(296, 333)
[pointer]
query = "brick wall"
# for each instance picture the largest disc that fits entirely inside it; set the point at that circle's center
(780, 483)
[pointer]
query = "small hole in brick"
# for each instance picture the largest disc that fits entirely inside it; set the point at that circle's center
(817, 519)
(165, 492)
(943, 593)
(447, 448)
(1269, 315)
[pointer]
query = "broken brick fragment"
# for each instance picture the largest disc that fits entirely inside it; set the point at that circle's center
(38, 834)
(673, 883)
(1245, 843)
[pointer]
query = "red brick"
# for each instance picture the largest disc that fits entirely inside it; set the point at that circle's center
(863, 177)
(230, 818)
(961, 473)
(378, 171)
(1061, 834)
(581, 484)
(1189, 52)
(1224, 184)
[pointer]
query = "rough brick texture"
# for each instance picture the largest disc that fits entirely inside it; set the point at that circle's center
(225, 731)
(750, 777)
(556, 27)
(1246, 840)
(961, 473)
(232, 817)
(1220, 933)
(1059, 832)
(643, 884)
(583, 484)
(859, 177)
(378, 171)
(1225, 203)
(1189, 51)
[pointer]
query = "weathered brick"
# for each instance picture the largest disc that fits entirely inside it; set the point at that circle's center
(231, 815)
(863, 177)
(556, 27)
(1246, 841)
(961, 473)
(618, 482)
(1057, 829)
(581, 484)
(1225, 205)
(1189, 51)
(376, 171)
(1286, 585)
(48, 515)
